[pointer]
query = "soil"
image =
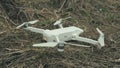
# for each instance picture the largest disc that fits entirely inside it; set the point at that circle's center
(16, 49)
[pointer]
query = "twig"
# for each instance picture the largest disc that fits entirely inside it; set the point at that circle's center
(9, 49)
(7, 17)
(3, 32)
(62, 5)
(20, 51)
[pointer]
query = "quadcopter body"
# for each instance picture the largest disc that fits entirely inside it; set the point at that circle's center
(58, 37)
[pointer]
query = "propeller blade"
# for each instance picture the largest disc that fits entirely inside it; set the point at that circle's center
(20, 25)
(58, 22)
(48, 44)
(33, 22)
(30, 22)
(101, 38)
(99, 31)
(67, 18)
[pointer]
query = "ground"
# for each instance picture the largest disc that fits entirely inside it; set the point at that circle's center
(16, 49)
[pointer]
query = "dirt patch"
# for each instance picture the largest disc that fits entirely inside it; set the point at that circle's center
(15, 45)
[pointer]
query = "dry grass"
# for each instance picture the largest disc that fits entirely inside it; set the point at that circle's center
(15, 45)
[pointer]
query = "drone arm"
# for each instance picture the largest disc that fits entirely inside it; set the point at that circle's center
(48, 44)
(33, 29)
(87, 40)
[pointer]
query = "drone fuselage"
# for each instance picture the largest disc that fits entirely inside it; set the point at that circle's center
(62, 34)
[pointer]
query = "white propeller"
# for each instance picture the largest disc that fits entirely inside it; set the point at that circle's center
(99, 31)
(20, 25)
(26, 23)
(101, 38)
(58, 22)
(33, 22)
(48, 44)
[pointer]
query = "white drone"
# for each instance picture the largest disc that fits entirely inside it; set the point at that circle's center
(58, 37)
